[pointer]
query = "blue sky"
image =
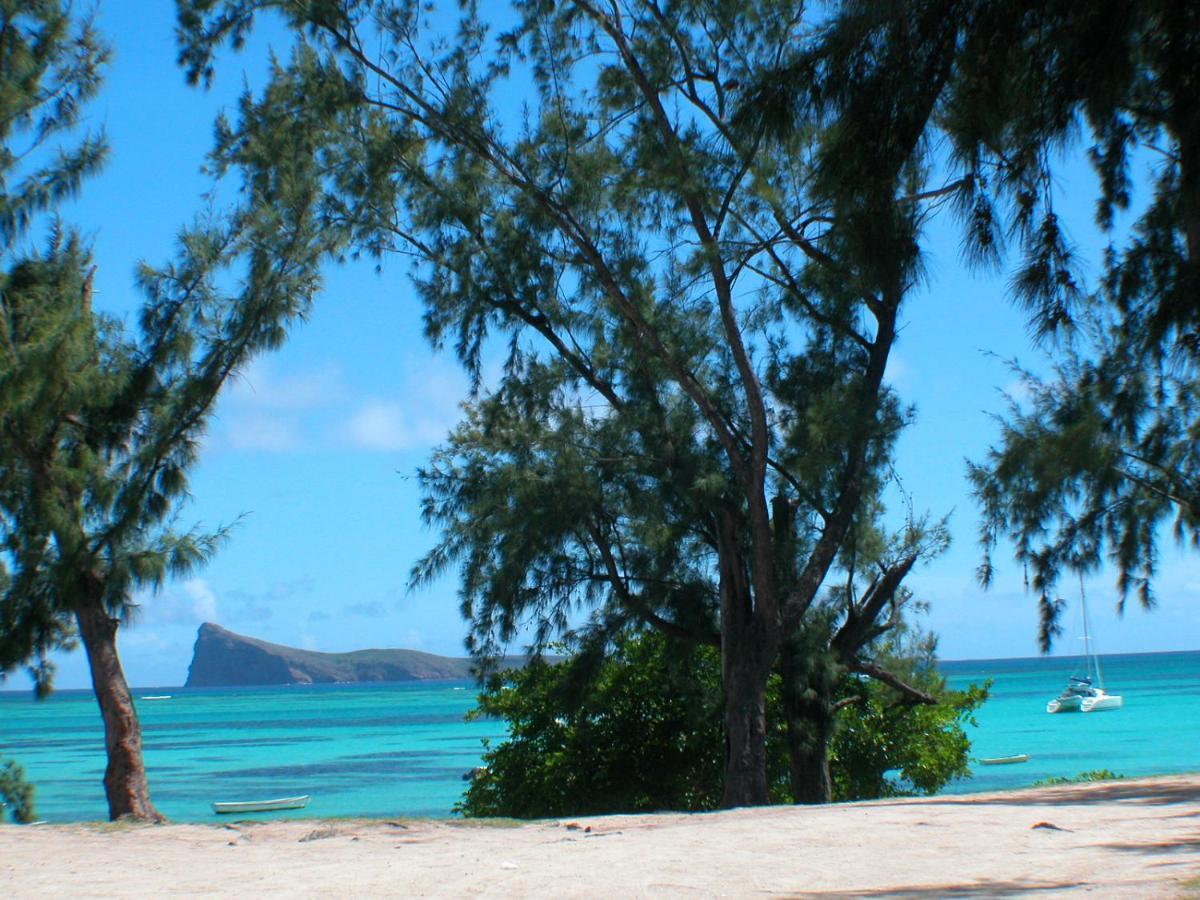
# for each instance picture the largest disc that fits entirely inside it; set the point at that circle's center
(315, 445)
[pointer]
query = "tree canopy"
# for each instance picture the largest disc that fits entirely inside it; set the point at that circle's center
(1098, 455)
(645, 734)
(1103, 451)
(50, 65)
(1095, 457)
(100, 422)
(691, 420)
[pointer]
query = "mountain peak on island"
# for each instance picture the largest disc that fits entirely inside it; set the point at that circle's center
(222, 658)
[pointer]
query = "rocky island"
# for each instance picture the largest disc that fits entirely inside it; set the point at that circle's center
(223, 659)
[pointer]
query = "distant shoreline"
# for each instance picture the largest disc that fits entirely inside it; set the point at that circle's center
(1132, 838)
(1053, 656)
(1006, 660)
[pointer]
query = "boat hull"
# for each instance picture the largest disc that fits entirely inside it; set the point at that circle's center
(1005, 760)
(248, 806)
(1064, 704)
(1100, 704)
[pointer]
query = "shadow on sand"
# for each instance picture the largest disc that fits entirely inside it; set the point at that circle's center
(1155, 792)
(976, 889)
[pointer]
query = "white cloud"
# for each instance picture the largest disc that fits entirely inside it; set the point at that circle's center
(264, 432)
(421, 414)
(379, 425)
(190, 603)
(285, 413)
(898, 373)
(204, 601)
(277, 413)
(391, 426)
(261, 388)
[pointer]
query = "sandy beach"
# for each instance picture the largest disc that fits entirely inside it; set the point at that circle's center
(1135, 838)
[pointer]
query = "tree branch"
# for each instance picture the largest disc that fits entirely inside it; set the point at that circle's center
(912, 694)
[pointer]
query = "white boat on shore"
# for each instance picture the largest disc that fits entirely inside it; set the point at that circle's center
(248, 806)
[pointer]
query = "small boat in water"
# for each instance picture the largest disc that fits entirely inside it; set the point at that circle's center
(248, 806)
(1005, 760)
(1085, 693)
(156, 697)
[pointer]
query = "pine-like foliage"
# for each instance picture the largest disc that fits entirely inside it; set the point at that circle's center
(100, 428)
(50, 65)
(1095, 458)
(100, 423)
(1102, 453)
(691, 425)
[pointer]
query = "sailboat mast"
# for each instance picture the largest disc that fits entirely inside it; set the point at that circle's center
(1093, 661)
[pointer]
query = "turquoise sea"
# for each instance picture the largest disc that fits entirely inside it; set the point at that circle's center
(401, 749)
(1156, 732)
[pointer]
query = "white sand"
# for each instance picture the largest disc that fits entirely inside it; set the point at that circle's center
(1137, 838)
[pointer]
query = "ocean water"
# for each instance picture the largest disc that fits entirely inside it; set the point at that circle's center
(358, 749)
(386, 750)
(1156, 732)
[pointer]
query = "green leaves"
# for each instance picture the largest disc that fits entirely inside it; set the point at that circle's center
(16, 793)
(101, 423)
(642, 732)
(691, 322)
(883, 748)
(642, 736)
(51, 64)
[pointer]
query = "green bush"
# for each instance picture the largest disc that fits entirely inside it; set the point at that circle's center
(16, 793)
(1081, 778)
(643, 733)
(882, 748)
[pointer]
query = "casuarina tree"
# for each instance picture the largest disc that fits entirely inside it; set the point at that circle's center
(101, 422)
(693, 314)
(50, 65)
(1096, 457)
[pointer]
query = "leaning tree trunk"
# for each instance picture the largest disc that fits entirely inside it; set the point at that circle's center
(807, 707)
(125, 783)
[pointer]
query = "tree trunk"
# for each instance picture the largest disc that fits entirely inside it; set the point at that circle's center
(807, 708)
(808, 756)
(744, 692)
(743, 676)
(125, 783)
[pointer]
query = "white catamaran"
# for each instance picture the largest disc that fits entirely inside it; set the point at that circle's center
(1085, 693)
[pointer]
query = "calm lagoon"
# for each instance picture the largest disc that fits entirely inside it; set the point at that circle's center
(401, 749)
